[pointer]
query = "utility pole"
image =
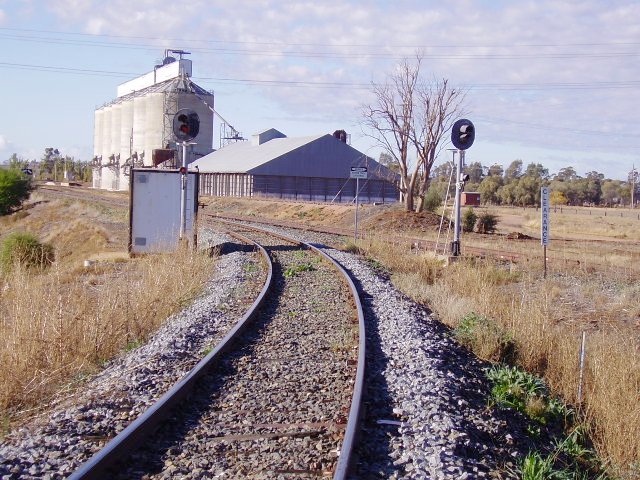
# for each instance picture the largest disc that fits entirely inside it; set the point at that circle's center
(633, 179)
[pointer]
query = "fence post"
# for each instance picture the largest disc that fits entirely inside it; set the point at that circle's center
(581, 374)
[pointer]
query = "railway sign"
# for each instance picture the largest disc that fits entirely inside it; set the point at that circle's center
(358, 172)
(544, 219)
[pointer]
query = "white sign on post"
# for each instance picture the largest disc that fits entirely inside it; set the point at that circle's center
(358, 172)
(545, 211)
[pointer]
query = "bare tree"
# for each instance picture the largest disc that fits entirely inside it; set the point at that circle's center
(389, 121)
(438, 107)
(411, 115)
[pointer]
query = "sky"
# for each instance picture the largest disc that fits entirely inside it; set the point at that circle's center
(548, 81)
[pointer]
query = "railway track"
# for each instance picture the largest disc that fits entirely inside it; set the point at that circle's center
(279, 395)
(426, 396)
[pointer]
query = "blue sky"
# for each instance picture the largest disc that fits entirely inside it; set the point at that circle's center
(551, 82)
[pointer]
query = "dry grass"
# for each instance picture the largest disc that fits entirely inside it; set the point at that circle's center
(545, 319)
(60, 325)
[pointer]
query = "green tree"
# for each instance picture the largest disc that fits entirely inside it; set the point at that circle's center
(536, 170)
(14, 189)
(566, 174)
(16, 162)
(594, 187)
(507, 193)
(513, 171)
(474, 170)
(557, 198)
(612, 193)
(433, 198)
(489, 187)
(442, 171)
(495, 170)
(527, 190)
(388, 161)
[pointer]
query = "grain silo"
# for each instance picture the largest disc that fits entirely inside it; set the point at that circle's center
(135, 129)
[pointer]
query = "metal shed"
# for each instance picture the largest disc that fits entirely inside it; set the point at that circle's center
(315, 168)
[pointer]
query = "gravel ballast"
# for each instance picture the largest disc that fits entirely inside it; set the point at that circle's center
(426, 412)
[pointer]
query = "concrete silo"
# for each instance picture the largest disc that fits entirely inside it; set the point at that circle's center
(138, 123)
(126, 128)
(98, 135)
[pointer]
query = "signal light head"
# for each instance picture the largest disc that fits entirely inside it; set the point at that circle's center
(186, 125)
(462, 134)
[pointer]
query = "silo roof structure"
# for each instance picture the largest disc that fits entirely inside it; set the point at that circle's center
(178, 84)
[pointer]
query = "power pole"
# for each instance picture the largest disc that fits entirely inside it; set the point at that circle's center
(633, 179)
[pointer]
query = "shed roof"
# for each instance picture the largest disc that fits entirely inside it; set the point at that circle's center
(313, 156)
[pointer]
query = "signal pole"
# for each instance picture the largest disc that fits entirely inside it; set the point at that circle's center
(455, 245)
(183, 193)
(186, 126)
(462, 135)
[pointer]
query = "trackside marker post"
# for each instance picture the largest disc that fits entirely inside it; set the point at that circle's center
(545, 211)
(357, 173)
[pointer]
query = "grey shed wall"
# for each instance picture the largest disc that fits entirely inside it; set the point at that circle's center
(314, 189)
(314, 171)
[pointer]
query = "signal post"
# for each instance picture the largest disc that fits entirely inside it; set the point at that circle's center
(186, 126)
(462, 136)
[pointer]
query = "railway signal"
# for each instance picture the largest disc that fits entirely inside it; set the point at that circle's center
(462, 134)
(186, 125)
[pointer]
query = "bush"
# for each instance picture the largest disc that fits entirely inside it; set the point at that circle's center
(26, 250)
(14, 189)
(485, 337)
(487, 223)
(469, 220)
(433, 199)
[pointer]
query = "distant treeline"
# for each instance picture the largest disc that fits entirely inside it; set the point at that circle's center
(521, 186)
(53, 166)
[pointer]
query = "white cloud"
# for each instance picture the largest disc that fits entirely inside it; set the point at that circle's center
(3, 142)
(3, 17)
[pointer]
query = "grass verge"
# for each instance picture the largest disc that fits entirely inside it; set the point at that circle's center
(61, 324)
(504, 312)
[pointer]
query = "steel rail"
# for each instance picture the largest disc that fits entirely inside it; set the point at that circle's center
(122, 444)
(353, 421)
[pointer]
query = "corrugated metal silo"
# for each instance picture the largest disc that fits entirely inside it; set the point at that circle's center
(126, 125)
(204, 140)
(106, 177)
(146, 106)
(116, 114)
(116, 120)
(139, 126)
(154, 125)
